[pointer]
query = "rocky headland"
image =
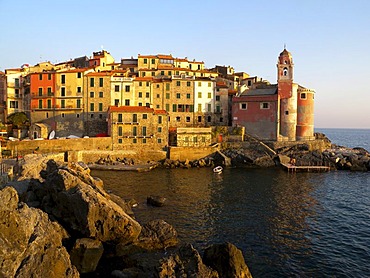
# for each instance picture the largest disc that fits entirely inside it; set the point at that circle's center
(58, 221)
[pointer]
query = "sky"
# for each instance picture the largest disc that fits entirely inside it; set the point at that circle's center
(328, 39)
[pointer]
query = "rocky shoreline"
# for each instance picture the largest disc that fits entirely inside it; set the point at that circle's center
(67, 225)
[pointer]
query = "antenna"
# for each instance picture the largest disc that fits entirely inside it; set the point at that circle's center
(284, 45)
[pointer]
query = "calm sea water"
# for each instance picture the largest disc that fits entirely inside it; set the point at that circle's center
(286, 224)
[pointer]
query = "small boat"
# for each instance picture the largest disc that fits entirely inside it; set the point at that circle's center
(217, 170)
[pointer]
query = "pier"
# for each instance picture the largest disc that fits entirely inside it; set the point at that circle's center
(293, 168)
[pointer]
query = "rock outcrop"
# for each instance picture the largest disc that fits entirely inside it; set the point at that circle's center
(29, 242)
(227, 260)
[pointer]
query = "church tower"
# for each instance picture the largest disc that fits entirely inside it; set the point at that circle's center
(287, 95)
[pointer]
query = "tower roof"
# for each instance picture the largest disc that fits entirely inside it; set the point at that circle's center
(285, 53)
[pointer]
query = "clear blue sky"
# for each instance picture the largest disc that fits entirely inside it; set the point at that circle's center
(329, 40)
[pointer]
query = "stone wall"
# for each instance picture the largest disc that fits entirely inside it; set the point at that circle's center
(183, 153)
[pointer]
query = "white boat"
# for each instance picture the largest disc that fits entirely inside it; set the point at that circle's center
(217, 170)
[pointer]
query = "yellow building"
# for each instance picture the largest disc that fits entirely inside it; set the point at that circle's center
(133, 127)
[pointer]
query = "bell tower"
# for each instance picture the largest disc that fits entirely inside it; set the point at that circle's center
(287, 95)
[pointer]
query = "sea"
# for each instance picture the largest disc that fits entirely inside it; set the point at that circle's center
(286, 224)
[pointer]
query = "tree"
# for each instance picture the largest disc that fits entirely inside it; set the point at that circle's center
(18, 120)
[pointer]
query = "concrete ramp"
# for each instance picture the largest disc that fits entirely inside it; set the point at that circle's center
(227, 160)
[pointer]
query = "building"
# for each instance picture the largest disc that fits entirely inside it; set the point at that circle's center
(280, 112)
(133, 127)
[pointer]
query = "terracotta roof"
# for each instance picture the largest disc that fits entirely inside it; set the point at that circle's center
(100, 73)
(221, 84)
(131, 109)
(146, 78)
(146, 56)
(160, 112)
(163, 56)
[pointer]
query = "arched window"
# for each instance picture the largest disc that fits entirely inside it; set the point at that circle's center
(285, 71)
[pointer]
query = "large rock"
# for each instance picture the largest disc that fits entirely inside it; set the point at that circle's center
(30, 244)
(157, 234)
(185, 263)
(80, 204)
(227, 260)
(86, 253)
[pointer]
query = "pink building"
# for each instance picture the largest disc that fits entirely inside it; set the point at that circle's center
(278, 112)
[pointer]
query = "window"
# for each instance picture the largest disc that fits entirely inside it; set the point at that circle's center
(40, 76)
(188, 119)
(178, 83)
(63, 91)
(77, 115)
(134, 131)
(167, 95)
(199, 107)
(209, 84)
(144, 130)
(100, 107)
(174, 107)
(134, 118)
(147, 95)
(49, 76)
(188, 83)
(140, 104)
(221, 119)
(144, 140)
(101, 82)
(209, 95)
(92, 107)
(199, 84)
(264, 105)
(167, 86)
(101, 94)
(92, 82)
(285, 71)
(79, 89)
(199, 119)
(147, 104)
(209, 119)
(159, 140)
(63, 103)
(167, 107)
(49, 103)
(16, 82)
(153, 74)
(92, 116)
(127, 88)
(14, 104)
(217, 98)
(63, 115)
(91, 94)
(243, 106)
(120, 131)
(158, 96)
(188, 96)
(127, 102)
(218, 108)
(178, 95)
(63, 79)
(162, 72)
(134, 140)
(159, 129)
(120, 141)
(147, 84)
(153, 61)
(145, 116)
(116, 88)
(47, 115)
(249, 82)
(178, 119)
(79, 74)
(303, 96)
(145, 60)
(287, 112)
(159, 119)
(40, 91)
(16, 92)
(140, 83)
(120, 118)
(209, 106)
(140, 94)
(199, 95)
(78, 103)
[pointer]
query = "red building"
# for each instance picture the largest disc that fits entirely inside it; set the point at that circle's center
(279, 112)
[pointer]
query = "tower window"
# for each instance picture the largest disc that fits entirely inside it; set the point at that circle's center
(303, 96)
(285, 71)
(287, 112)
